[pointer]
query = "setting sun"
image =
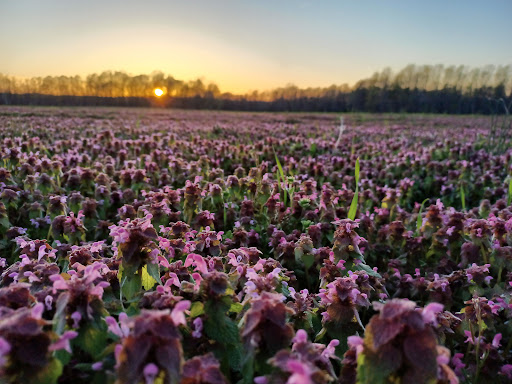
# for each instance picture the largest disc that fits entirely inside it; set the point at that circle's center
(159, 92)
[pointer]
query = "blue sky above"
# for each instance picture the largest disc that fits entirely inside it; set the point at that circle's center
(246, 45)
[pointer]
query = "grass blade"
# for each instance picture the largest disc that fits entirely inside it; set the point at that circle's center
(281, 172)
(419, 220)
(357, 171)
(282, 178)
(462, 197)
(353, 205)
(509, 200)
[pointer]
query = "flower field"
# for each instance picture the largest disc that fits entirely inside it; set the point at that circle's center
(165, 246)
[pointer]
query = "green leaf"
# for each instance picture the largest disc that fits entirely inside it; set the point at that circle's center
(147, 280)
(221, 328)
(308, 260)
(367, 269)
(4, 222)
(59, 319)
(285, 290)
(462, 197)
(91, 340)
(63, 355)
(248, 368)
(234, 355)
(154, 272)
(196, 309)
(131, 286)
(312, 149)
(236, 308)
(120, 272)
(49, 375)
(369, 374)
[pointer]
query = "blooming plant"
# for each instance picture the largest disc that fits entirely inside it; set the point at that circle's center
(183, 247)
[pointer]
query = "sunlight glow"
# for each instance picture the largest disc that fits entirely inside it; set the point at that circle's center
(159, 92)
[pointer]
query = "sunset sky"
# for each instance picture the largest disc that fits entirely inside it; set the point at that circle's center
(247, 45)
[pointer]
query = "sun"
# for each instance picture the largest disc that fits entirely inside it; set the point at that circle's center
(159, 92)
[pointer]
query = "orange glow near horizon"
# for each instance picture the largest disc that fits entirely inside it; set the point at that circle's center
(158, 92)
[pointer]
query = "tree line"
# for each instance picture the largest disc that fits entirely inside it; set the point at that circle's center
(426, 89)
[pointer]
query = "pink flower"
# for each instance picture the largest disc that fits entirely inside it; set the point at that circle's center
(430, 311)
(5, 348)
(496, 340)
(450, 230)
(113, 326)
(197, 280)
(457, 363)
(163, 261)
(329, 351)
(198, 261)
(37, 311)
(301, 373)
(31, 277)
(63, 342)
(178, 312)
(300, 337)
(355, 342)
(507, 371)
(472, 339)
(97, 246)
(119, 234)
(76, 316)
(150, 373)
(198, 327)
(41, 253)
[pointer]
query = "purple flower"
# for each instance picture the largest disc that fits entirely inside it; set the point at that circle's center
(198, 327)
(355, 342)
(329, 351)
(458, 364)
(198, 261)
(76, 316)
(150, 373)
(300, 372)
(63, 342)
(5, 347)
(120, 330)
(430, 311)
(178, 312)
(472, 339)
(507, 371)
(496, 340)
(300, 337)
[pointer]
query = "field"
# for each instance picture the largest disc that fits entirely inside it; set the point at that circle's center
(169, 246)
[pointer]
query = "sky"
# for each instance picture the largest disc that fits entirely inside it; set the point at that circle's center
(245, 45)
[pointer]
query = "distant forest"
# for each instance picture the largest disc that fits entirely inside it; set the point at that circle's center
(422, 89)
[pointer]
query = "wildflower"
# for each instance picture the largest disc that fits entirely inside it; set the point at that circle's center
(63, 342)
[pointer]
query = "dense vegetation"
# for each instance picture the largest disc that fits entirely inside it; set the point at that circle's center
(425, 89)
(163, 246)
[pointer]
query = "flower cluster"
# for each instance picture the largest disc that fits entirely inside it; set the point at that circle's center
(224, 248)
